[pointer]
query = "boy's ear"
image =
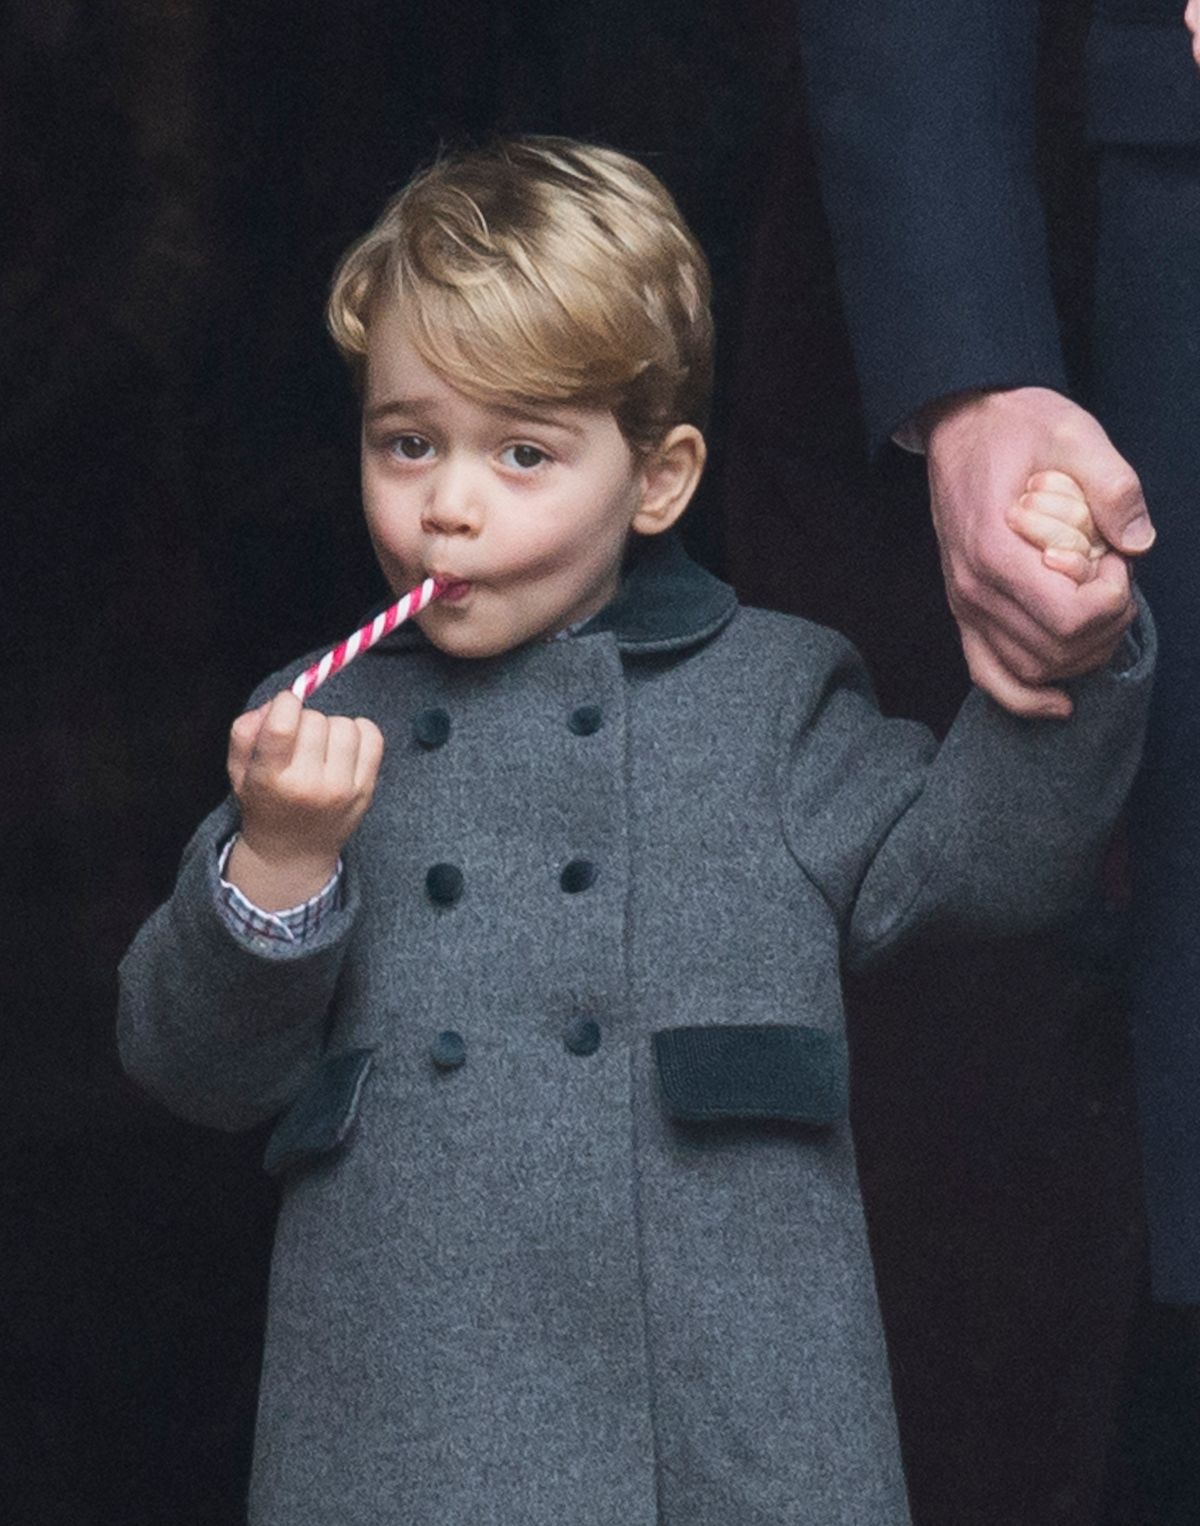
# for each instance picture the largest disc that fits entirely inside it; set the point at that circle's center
(669, 478)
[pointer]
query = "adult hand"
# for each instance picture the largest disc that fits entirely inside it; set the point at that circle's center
(1192, 17)
(1023, 627)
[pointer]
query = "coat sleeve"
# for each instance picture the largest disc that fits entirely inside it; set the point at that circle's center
(223, 1030)
(922, 119)
(1001, 829)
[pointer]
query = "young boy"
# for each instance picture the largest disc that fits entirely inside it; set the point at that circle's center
(571, 1231)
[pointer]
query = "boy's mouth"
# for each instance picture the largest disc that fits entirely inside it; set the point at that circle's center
(453, 590)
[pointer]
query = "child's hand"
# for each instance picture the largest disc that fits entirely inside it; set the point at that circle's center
(304, 781)
(1053, 513)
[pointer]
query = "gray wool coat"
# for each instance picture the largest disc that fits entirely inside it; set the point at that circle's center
(571, 1231)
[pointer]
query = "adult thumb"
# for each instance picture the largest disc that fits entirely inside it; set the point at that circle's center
(1118, 506)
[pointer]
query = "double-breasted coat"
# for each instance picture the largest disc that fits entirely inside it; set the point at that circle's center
(571, 1232)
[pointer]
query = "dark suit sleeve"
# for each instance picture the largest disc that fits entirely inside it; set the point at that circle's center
(922, 117)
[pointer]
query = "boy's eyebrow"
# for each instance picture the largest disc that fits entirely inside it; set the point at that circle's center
(522, 415)
(416, 407)
(412, 406)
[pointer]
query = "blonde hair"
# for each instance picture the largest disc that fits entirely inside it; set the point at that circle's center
(545, 270)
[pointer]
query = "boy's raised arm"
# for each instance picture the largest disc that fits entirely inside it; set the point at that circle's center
(304, 781)
(221, 1027)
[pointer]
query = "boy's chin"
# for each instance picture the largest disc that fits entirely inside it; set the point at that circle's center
(461, 641)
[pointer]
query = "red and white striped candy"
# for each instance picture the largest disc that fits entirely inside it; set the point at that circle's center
(346, 651)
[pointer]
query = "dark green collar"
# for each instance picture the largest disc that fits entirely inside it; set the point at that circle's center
(666, 602)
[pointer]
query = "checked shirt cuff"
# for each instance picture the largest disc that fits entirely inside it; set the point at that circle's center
(258, 928)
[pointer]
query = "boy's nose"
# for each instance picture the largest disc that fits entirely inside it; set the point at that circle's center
(453, 506)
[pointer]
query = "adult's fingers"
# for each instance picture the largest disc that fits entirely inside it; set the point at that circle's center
(1115, 584)
(994, 678)
(1037, 624)
(1077, 626)
(1011, 569)
(1055, 623)
(1110, 485)
(1031, 668)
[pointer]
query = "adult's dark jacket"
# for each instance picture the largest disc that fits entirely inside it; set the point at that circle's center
(922, 114)
(922, 117)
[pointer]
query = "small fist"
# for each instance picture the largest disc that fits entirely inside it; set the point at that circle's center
(304, 781)
(1054, 515)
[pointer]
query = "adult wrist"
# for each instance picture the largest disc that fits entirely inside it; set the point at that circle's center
(928, 420)
(1015, 406)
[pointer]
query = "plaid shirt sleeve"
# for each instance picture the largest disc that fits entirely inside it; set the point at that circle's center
(260, 929)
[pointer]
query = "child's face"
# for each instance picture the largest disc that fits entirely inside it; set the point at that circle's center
(524, 511)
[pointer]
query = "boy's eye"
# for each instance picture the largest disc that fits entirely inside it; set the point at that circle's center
(524, 457)
(413, 447)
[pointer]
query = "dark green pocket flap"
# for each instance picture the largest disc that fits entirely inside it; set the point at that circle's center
(754, 1070)
(321, 1116)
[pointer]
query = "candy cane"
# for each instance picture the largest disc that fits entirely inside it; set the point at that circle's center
(346, 651)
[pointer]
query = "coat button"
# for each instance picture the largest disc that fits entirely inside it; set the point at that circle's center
(448, 1050)
(444, 884)
(585, 720)
(578, 875)
(582, 1036)
(431, 728)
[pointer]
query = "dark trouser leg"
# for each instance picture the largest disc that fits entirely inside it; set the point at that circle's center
(1148, 395)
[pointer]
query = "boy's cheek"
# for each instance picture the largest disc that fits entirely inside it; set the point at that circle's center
(395, 548)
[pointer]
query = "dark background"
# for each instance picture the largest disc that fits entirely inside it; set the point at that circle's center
(178, 178)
